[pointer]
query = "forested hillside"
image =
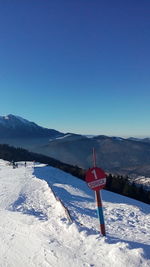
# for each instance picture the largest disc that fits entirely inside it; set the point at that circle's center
(116, 183)
(10, 153)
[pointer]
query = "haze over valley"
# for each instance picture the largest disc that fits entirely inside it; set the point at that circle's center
(117, 155)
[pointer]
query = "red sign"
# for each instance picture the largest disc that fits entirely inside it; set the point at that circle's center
(95, 178)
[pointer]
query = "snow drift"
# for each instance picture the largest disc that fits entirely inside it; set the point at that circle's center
(35, 230)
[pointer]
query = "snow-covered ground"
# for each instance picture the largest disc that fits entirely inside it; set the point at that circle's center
(35, 230)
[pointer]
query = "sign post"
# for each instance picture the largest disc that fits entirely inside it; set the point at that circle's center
(100, 212)
(96, 180)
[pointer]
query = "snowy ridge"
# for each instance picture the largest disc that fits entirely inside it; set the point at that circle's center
(13, 120)
(63, 206)
(34, 229)
(16, 127)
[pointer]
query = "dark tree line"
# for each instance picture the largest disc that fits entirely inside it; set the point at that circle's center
(124, 186)
(115, 183)
(13, 154)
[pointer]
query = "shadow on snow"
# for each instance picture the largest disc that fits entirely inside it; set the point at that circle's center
(73, 201)
(20, 206)
(132, 244)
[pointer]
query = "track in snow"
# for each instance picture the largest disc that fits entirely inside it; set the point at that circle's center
(34, 230)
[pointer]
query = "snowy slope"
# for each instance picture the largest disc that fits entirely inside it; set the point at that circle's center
(35, 230)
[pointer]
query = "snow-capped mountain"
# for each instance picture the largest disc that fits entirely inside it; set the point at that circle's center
(16, 127)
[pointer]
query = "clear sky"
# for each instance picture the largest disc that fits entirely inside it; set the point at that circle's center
(77, 66)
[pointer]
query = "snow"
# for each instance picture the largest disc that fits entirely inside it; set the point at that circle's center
(90, 136)
(142, 180)
(12, 120)
(35, 231)
(61, 137)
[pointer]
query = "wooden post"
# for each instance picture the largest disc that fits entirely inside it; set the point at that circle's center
(94, 158)
(99, 202)
(100, 211)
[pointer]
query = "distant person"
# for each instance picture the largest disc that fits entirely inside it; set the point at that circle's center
(25, 164)
(14, 165)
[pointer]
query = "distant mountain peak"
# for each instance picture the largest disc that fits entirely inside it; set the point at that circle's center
(14, 117)
(13, 121)
(18, 127)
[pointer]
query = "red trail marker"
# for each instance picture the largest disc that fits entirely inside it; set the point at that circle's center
(96, 180)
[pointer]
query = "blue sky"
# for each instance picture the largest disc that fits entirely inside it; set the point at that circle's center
(77, 66)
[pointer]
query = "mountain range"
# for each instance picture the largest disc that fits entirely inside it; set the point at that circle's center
(114, 154)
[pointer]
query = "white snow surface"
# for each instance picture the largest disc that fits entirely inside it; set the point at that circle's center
(35, 231)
